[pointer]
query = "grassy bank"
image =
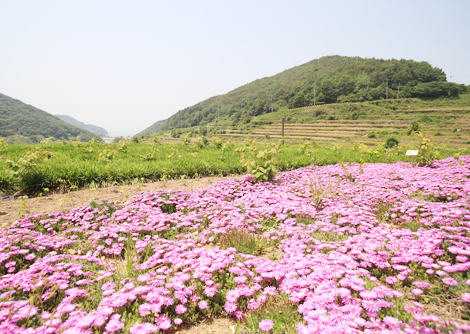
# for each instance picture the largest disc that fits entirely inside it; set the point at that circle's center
(75, 166)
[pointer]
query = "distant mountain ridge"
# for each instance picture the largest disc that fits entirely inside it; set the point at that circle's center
(155, 127)
(92, 128)
(328, 79)
(21, 120)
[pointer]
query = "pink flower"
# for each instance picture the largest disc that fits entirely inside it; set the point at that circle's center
(465, 297)
(30, 256)
(367, 294)
(391, 280)
(143, 278)
(108, 286)
(417, 292)
(180, 309)
(238, 314)
(114, 325)
(202, 304)
(422, 285)
(450, 281)
(178, 321)
(145, 309)
(240, 279)
(143, 328)
(230, 307)
(270, 290)
(392, 322)
(266, 325)
(165, 324)
(210, 291)
(371, 305)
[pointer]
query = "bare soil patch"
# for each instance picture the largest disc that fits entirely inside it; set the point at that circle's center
(216, 326)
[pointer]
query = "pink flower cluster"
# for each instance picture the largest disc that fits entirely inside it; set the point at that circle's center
(342, 255)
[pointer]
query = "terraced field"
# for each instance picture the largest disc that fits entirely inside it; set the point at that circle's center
(364, 131)
(446, 120)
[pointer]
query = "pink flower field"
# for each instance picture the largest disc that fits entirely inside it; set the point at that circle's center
(375, 248)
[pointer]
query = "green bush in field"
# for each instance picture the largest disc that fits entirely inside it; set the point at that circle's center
(426, 150)
(391, 142)
(21, 169)
(262, 163)
(414, 128)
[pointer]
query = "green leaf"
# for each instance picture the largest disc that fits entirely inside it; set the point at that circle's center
(260, 154)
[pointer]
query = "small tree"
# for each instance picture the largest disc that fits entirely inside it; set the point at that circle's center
(391, 142)
(427, 152)
(414, 128)
(261, 163)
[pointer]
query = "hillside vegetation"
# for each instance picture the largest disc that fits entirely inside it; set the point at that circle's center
(90, 127)
(155, 127)
(326, 80)
(24, 123)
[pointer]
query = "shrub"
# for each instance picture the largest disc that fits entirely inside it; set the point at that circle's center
(427, 152)
(391, 142)
(261, 163)
(414, 127)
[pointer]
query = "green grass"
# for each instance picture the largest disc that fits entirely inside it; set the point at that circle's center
(73, 168)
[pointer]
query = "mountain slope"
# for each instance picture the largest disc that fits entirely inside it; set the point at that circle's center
(155, 127)
(20, 119)
(326, 80)
(92, 128)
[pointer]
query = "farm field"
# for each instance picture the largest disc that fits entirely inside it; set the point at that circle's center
(446, 120)
(56, 167)
(376, 247)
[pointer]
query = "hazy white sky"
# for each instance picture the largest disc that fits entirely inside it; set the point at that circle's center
(124, 65)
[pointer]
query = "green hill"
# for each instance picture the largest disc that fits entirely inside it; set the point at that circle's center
(326, 80)
(92, 128)
(25, 123)
(155, 127)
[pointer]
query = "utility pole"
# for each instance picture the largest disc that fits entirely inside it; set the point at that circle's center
(218, 107)
(387, 88)
(283, 120)
(272, 103)
(398, 95)
(314, 94)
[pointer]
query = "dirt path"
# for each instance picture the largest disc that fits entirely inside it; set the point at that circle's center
(118, 194)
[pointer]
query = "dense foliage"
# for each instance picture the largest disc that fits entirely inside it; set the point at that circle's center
(20, 119)
(386, 252)
(89, 127)
(76, 164)
(329, 79)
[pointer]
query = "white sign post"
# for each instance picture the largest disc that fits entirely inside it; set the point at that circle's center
(412, 153)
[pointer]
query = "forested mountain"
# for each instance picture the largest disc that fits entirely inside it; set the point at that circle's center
(20, 119)
(92, 128)
(327, 80)
(155, 127)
